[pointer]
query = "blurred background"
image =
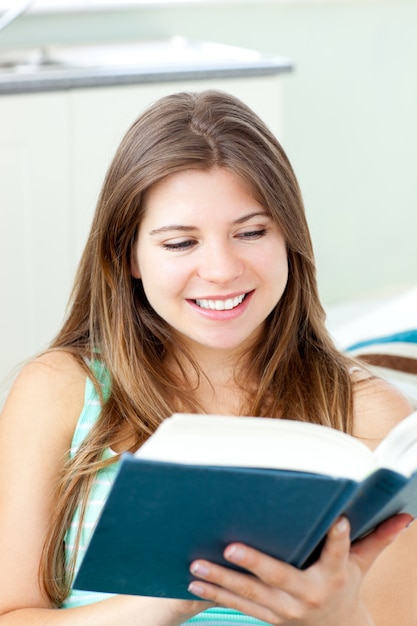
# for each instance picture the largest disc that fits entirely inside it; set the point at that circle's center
(346, 114)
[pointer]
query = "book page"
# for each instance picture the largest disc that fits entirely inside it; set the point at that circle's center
(258, 442)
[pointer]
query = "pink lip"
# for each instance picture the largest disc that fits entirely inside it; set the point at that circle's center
(223, 315)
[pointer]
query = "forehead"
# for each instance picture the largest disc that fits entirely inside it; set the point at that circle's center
(196, 192)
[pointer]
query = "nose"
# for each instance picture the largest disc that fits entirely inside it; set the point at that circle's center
(220, 263)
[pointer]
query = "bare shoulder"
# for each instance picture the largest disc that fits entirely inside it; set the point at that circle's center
(50, 387)
(57, 364)
(378, 407)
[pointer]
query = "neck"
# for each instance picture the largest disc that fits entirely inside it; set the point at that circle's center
(216, 384)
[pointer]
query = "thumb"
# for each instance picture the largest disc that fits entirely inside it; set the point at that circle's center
(365, 551)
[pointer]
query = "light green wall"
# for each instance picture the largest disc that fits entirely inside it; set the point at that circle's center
(350, 115)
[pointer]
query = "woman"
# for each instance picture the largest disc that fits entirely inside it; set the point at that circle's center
(196, 292)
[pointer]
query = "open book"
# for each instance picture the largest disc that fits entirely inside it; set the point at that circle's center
(203, 481)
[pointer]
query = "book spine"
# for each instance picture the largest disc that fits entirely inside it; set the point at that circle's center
(382, 495)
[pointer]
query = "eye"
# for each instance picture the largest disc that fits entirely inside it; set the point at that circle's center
(253, 234)
(184, 244)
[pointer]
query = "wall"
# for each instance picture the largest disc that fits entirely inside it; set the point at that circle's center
(349, 110)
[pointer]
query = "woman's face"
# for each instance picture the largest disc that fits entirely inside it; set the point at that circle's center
(212, 262)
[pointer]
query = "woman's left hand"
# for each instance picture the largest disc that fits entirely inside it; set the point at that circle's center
(328, 592)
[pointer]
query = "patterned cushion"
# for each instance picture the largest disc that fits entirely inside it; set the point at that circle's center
(393, 357)
(383, 333)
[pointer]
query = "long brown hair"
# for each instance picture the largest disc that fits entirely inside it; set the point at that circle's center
(295, 369)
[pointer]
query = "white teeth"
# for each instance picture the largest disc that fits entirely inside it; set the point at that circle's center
(221, 305)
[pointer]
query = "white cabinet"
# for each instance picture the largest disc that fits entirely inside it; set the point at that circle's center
(54, 151)
(35, 229)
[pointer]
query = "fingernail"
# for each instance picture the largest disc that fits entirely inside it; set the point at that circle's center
(341, 526)
(234, 553)
(199, 570)
(410, 523)
(196, 589)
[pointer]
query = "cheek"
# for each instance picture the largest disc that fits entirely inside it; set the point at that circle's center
(162, 276)
(273, 264)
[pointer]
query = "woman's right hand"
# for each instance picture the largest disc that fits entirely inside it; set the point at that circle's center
(149, 611)
(186, 609)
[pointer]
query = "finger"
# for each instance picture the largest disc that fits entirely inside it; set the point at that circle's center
(366, 551)
(335, 553)
(225, 598)
(242, 592)
(268, 571)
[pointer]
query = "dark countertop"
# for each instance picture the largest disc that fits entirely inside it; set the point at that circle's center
(56, 68)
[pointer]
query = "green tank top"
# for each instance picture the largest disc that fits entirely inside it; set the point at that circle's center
(101, 487)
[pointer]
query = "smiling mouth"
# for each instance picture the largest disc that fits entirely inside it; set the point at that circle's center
(221, 305)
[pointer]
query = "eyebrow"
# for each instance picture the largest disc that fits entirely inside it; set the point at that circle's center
(187, 229)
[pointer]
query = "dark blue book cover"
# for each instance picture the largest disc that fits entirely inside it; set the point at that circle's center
(160, 516)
